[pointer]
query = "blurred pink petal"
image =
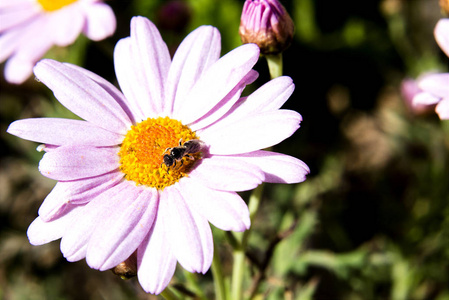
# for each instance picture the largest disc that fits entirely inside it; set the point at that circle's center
(28, 31)
(100, 22)
(442, 109)
(442, 35)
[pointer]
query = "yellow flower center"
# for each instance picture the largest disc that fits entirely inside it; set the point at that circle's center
(52, 5)
(143, 149)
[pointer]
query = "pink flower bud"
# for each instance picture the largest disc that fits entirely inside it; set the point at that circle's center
(267, 24)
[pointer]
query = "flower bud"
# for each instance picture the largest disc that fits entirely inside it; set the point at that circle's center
(267, 24)
(128, 268)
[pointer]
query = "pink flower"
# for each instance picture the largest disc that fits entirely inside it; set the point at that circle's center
(29, 28)
(435, 87)
(115, 194)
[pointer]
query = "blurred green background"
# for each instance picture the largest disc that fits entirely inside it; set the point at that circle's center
(370, 222)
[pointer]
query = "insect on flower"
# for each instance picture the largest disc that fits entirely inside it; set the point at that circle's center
(176, 154)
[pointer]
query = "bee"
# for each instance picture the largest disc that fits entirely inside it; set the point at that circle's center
(176, 154)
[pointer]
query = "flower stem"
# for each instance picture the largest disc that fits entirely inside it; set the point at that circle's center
(169, 295)
(217, 273)
(274, 65)
(238, 269)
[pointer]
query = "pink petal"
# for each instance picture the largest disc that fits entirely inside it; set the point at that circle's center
(76, 237)
(74, 162)
(228, 173)
(151, 63)
(28, 45)
(156, 262)
(41, 232)
(63, 132)
(226, 103)
(8, 42)
(77, 192)
(18, 70)
(255, 132)
(197, 52)
(189, 234)
(278, 168)
(217, 82)
(441, 33)
(100, 22)
(66, 24)
(128, 222)
(126, 77)
(83, 96)
(271, 96)
(8, 4)
(425, 98)
(108, 87)
(437, 84)
(442, 109)
(225, 210)
(16, 15)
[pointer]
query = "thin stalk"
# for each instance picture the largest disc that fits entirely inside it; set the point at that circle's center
(238, 269)
(217, 273)
(169, 295)
(274, 65)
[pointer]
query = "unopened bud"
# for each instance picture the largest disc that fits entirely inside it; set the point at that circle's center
(128, 268)
(267, 24)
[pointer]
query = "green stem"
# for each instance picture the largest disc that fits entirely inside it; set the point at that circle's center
(238, 269)
(169, 295)
(274, 65)
(217, 273)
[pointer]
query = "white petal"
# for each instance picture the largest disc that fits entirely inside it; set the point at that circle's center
(228, 174)
(156, 262)
(197, 52)
(225, 210)
(278, 168)
(255, 132)
(151, 64)
(217, 82)
(189, 233)
(41, 232)
(127, 224)
(100, 21)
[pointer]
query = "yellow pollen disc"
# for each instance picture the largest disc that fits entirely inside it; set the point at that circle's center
(142, 152)
(52, 5)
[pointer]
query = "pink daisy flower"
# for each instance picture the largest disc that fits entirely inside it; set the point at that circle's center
(435, 87)
(121, 188)
(29, 28)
